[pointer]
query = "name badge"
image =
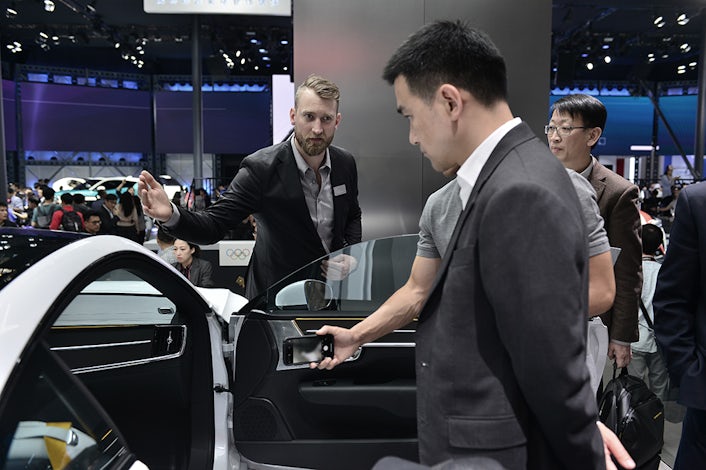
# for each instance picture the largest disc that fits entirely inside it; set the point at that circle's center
(339, 190)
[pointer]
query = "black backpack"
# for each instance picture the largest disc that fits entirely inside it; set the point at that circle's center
(633, 412)
(70, 221)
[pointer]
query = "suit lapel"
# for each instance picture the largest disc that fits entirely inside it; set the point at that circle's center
(339, 203)
(517, 135)
(597, 179)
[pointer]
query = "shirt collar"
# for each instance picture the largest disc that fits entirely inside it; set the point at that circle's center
(302, 164)
(586, 173)
(470, 170)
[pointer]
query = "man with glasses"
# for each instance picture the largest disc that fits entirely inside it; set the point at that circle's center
(93, 222)
(576, 124)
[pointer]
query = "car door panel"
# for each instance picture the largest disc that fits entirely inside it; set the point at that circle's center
(363, 409)
(345, 418)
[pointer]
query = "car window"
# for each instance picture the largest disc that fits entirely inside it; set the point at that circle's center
(358, 279)
(52, 424)
(118, 320)
(118, 298)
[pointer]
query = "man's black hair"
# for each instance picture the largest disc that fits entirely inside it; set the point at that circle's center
(590, 109)
(652, 238)
(454, 53)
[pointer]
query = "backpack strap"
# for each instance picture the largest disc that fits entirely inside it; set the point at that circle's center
(650, 325)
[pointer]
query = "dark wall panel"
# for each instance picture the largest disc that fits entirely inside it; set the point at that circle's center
(350, 43)
(80, 118)
(8, 106)
(236, 123)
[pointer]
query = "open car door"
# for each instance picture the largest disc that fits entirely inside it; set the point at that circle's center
(346, 418)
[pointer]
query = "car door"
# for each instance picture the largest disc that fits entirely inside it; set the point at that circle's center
(346, 418)
(130, 340)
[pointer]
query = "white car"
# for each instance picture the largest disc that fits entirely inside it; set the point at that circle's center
(109, 358)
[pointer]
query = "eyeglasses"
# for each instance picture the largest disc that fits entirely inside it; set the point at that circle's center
(563, 131)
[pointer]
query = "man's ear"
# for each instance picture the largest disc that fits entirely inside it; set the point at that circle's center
(451, 98)
(593, 135)
(292, 113)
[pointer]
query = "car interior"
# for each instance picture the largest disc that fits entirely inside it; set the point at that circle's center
(141, 346)
(346, 418)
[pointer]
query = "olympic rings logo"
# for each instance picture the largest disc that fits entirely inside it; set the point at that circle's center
(238, 253)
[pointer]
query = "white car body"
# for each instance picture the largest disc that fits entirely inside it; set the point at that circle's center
(21, 315)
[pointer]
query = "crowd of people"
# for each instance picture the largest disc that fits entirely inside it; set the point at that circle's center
(487, 332)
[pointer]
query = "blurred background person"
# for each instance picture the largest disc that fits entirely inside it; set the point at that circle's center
(4, 221)
(165, 246)
(196, 270)
(126, 213)
(92, 222)
(41, 217)
(647, 361)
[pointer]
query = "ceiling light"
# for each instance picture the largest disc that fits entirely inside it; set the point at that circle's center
(692, 64)
(49, 5)
(651, 54)
(589, 65)
(682, 19)
(607, 59)
(117, 44)
(658, 20)
(651, 59)
(685, 47)
(605, 46)
(680, 71)
(11, 11)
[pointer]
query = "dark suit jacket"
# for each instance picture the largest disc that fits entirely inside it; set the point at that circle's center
(617, 202)
(268, 186)
(680, 298)
(501, 352)
(200, 272)
(107, 221)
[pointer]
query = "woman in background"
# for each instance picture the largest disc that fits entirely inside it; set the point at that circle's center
(195, 269)
(126, 224)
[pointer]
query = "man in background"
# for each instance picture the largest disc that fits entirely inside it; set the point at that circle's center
(680, 320)
(576, 124)
(303, 194)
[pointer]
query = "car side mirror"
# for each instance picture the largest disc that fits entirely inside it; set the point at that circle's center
(310, 293)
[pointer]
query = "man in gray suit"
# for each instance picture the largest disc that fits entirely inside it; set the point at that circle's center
(501, 340)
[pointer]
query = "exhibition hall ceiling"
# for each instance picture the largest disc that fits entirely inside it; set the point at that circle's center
(592, 41)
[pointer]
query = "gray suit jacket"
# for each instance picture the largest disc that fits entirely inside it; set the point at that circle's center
(268, 186)
(617, 201)
(200, 273)
(501, 340)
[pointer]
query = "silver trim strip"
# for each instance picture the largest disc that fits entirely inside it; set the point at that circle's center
(100, 345)
(389, 345)
(137, 362)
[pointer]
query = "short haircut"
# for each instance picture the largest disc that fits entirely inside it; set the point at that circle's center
(454, 53)
(164, 237)
(3, 202)
(48, 193)
(652, 238)
(590, 109)
(111, 197)
(79, 198)
(324, 89)
(92, 213)
(67, 199)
